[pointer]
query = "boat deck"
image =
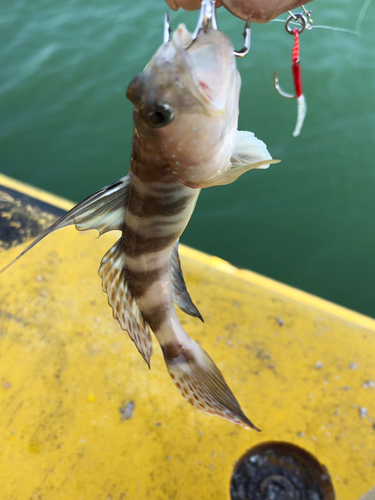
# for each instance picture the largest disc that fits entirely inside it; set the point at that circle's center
(82, 416)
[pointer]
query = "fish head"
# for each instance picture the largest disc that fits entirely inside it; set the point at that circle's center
(186, 106)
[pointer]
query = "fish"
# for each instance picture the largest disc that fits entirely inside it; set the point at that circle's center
(185, 139)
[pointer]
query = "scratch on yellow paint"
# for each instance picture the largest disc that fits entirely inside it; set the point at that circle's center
(301, 368)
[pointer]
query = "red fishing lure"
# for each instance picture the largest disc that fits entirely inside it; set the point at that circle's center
(297, 80)
(296, 69)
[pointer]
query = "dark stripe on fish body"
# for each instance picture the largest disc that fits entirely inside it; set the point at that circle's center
(137, 245)
(149, 172)
(164, 185)
(156, 316)
(164, 182)
(165, 222)
(171, 187)
(172, 351)
(148, 206)
(140, 281)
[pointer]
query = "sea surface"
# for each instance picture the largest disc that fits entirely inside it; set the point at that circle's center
(66, 126)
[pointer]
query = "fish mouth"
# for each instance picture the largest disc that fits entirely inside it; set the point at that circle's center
(200, 71)
(209, 65)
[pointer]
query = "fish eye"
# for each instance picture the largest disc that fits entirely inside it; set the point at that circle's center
(157, 115)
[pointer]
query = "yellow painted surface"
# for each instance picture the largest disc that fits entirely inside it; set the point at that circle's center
(66, 369)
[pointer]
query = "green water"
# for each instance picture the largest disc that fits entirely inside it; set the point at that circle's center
(66, 127)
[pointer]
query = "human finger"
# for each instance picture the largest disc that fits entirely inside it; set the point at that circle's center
(257, 11)
(188, 4)
(261, 11)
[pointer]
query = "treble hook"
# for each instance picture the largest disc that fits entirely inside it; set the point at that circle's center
(207, 19)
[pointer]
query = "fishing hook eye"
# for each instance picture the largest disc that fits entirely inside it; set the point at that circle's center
(297, 18)
(207, 17)
(157, 115)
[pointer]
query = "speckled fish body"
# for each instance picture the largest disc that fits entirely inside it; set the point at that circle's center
(185, 139)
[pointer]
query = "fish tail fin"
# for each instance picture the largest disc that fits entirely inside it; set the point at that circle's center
(201, 383)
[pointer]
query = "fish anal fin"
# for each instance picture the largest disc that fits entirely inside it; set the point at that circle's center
(125, 309)
(180, 294)
(201, 383)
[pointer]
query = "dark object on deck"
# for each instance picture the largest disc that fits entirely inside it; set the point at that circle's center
(23, 217)
(280, 471)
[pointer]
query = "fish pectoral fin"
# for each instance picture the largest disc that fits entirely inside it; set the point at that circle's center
(125, 309)
(104, 211)
(180, 294)
(249, 153)
(248, 150)
(201, 383)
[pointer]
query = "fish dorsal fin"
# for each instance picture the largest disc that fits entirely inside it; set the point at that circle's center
(104, 211)
(125, 309)
(180, 294)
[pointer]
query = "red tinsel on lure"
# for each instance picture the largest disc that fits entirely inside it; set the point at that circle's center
(297, 79)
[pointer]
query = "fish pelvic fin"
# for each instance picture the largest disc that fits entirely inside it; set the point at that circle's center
(201, 383)
(125, 309)
(180, 294)
(104, 211)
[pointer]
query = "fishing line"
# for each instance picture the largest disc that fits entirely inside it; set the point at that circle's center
(361, 15)
(356, 30)
(332, 28)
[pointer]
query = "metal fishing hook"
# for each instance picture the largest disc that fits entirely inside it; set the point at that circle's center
(207, 17)
(167, 29)
(246, 43)
(280, 90)
(309, 19)
(206, 20)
